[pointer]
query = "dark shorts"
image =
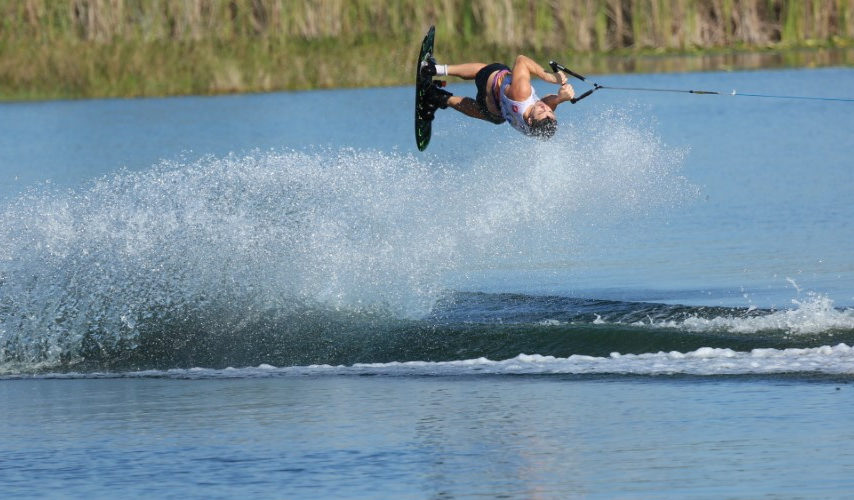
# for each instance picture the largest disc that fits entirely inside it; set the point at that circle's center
(481, 80)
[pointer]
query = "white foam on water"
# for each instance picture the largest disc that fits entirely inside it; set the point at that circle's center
(814, 314)
(837, 359)
(706, 361)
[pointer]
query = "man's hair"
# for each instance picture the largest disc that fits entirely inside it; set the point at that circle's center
(544, 128)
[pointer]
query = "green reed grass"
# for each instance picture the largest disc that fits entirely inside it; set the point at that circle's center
(82, 48)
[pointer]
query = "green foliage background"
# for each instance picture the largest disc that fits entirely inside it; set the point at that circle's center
(87, 48)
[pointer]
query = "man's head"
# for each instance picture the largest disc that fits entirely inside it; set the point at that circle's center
(542, 121)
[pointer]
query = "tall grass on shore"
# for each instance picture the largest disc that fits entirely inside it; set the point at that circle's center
(73, 48)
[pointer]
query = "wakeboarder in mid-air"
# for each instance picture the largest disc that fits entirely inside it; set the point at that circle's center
(503, 94)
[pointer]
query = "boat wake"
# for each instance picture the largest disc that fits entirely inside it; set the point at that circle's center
(341, 257)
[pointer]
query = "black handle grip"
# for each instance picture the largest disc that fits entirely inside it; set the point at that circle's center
(555, 66)
(582, 96)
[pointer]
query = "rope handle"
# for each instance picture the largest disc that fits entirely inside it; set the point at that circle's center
(558, 67)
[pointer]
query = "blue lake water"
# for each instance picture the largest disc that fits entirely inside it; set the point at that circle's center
(276, 295)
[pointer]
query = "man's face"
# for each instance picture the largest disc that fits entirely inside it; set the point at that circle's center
(539, 111)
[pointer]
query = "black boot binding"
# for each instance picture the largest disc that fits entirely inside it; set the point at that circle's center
(438, 97)
(434, 97)
(428, 67)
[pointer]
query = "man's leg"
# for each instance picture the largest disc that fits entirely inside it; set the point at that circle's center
(465, 105)
(465, 71)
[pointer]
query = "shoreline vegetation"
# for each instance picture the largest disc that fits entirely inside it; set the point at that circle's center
(55, 49)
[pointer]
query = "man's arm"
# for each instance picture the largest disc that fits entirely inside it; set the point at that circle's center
(523, 69)
(566, 93)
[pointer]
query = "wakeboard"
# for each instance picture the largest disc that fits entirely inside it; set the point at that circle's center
(424, 111)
